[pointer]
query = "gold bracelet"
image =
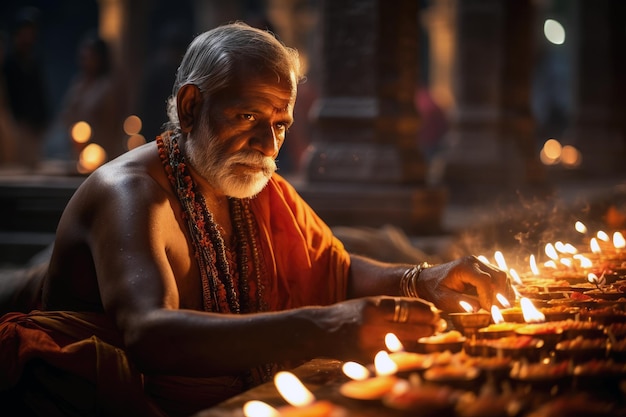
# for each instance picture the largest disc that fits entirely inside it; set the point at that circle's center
(408, 282)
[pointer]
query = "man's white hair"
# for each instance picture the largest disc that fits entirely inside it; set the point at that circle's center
(213, 56)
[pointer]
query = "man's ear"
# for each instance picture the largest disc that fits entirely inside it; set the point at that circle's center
(189, 105)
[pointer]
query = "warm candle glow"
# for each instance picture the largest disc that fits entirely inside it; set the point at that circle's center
(594, 245)
(530, 312)
(592, 278)
(584, 261)
(496, 315)
(603, 236)
(567, 262)
(355, 371)
(502, 299)
(533, 265)
(466, 306)
(580, 227)
(566, 248)
(483, 259)
(499, 257)
(550, 264)
(81, 132)
(292, 389)
(551, 251)
(393, 343)
(618, 240)
(384, 365)
(515, 276)
(257, 408)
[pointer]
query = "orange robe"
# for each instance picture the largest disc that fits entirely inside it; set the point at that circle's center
(305, 265)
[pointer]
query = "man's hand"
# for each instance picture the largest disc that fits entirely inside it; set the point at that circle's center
(358, 327)
(466, 279)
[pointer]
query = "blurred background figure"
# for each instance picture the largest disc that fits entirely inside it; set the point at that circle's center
(159, 78)
(95, 97)
(7, 136)
(26, 89)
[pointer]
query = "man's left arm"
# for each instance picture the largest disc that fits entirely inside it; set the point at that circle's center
(444, 284)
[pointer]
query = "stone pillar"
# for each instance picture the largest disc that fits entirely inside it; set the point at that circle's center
(490, 146)
(364, 166)
(594, 128)
(517, 124)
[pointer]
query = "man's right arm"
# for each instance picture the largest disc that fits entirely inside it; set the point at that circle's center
(139, 290)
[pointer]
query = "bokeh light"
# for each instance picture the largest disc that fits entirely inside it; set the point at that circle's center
(91, 158)
(554, 31)
(80, 132)
(132, 125)
(135, 141)
(571, 157)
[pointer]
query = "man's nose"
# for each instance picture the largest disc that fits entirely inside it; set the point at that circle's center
(265, 140)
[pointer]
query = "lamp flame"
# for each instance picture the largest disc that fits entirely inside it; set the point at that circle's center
(257, 408)
(550, 264)
(618, 240)
(466, 306)
(530, 312)
(483, 259)
(496, 315)
(393, 343)
(499, 257)
(551, 251)
(502, 299)
(292, 389)
(584, 261)
(355, 371)
(580, 227)
(384, 364)
(594, 245)
(533, 265)
(515, 276)
(603, 236)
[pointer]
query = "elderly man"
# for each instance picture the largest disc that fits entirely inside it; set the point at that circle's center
(186, 271)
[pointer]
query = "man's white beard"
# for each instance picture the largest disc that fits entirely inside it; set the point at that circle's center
(225, 173)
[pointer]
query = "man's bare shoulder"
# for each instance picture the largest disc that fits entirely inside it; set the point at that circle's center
(135, 180)
(133, 171)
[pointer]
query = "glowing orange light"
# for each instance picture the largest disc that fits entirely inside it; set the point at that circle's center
(393, 343)
(499, 257)
(571, 157)
(80, 132)
(533, 265)
(515, 276)
(135, 141)
(384, 365)
(584, 261)
(466, 306)
(580, 227)
(257, 408)
(91, 158)
(530, 312)
(355, 371)
(551, 252)
(132, 125)
(618, 240)
(552, 149)
(603, 236)
(292, 389)
(594, 245)
(496, 315)
(502, 299)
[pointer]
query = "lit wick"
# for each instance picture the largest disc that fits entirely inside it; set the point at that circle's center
(530, 312)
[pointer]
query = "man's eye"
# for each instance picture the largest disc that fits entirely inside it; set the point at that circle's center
(249, 117)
